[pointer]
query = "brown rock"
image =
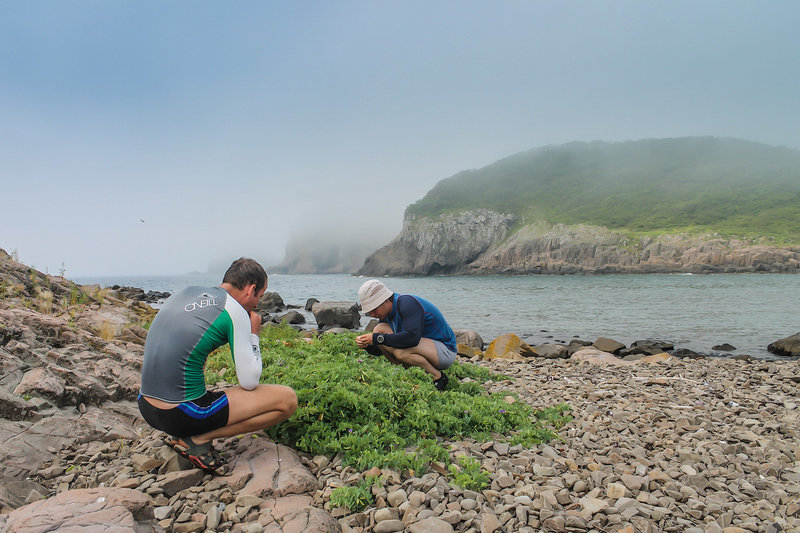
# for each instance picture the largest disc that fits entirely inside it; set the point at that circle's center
(597, 357)
(430, 525)
(174, 482)
(86, 510)
(608, 345)
(41, 382)
(143, 463)
(312, 521)
(489, 523)
(656, 358)
(265, 469)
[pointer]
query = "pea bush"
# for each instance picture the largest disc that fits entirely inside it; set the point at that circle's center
(378, 414)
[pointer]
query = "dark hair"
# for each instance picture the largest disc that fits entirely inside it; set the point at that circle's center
(245, 271)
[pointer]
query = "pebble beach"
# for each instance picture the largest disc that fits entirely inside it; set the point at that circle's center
(691, 445)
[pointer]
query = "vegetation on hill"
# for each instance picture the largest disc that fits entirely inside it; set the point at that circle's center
(695, 184)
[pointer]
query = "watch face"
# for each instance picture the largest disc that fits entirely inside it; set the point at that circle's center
(379, 338)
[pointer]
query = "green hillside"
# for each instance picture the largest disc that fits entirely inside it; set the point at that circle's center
(693, 184)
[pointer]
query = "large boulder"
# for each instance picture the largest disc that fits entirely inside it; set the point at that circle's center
(292, 317)
(470, 338)
(99, 509)
(271, 302)
(786, 346)
(551, 351)
(508, 346)
(608, 345)
(336, 314)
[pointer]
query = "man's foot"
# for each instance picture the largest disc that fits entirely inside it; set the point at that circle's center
(202, 456)
(441, 383)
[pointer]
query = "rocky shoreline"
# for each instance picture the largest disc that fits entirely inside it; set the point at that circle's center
(486, 242)
(677, 445)
(657, 443)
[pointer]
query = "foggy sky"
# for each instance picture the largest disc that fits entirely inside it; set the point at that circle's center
(158, 137)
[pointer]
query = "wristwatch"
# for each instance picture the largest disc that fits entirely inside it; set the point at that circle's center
(379, 338)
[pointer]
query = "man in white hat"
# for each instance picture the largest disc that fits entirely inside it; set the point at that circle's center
(412, 331)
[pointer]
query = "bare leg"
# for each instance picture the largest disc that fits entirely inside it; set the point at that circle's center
(423, 355)
(253, 410)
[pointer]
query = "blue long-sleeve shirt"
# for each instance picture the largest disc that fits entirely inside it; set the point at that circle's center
(411, 319)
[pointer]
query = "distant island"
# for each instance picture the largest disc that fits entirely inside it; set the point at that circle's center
(694, 204)
(324, 254)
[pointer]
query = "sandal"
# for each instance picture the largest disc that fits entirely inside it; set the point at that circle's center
(201, 455)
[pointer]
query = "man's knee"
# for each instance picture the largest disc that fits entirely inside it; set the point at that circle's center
(290, 402)
(282, 398)
(383, 327)
(407, 357)
(276, 398)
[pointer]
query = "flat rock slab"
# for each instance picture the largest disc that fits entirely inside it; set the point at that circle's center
(266, 469)
(100, 509)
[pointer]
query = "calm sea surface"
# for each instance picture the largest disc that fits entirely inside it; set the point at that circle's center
(697, 312)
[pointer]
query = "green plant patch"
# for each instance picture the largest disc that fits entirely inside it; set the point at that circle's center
(356, 498)
(470, 475)
(375, 413)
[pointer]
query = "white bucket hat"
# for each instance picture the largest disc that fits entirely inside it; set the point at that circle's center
(372, 294)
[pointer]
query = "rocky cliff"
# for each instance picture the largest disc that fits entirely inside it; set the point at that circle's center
(439, 245)
(482, 242)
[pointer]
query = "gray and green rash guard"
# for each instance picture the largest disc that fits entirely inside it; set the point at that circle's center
(191, 324)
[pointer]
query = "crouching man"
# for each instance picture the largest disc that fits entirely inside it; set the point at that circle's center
(191, 324)
(412, 331)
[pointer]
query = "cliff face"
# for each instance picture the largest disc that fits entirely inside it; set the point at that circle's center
(439, 245)
(478, 242)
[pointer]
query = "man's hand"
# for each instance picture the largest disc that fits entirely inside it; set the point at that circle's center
(364, 340)
(255, 322)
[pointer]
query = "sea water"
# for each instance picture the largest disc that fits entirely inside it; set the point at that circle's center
(697, 312)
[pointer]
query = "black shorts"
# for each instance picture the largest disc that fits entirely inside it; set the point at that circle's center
(195, 417)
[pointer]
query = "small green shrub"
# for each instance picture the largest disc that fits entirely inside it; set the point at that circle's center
(556, 417)
(372, 412)
(356, 498)
(470, 476)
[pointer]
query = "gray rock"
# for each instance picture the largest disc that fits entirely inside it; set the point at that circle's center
(336, 314)
(271, 302)
(292, 317)
(470, 338)
(786, 346)
(551, 351)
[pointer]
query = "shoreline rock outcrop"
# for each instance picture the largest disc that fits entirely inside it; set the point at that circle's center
(481, 242)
